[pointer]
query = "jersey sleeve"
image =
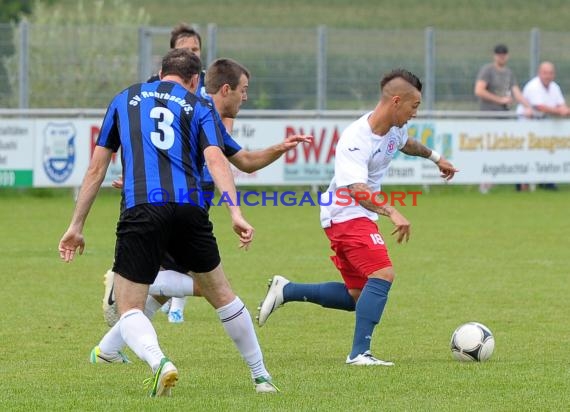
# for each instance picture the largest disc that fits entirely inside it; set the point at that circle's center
(231, 147)
(209, 131)
(351, 163)
(109, 134)
(403, 137)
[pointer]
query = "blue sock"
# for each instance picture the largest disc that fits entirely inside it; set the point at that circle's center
(369, 310)
(332, 295)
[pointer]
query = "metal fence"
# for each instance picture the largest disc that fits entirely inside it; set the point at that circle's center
(292, 69)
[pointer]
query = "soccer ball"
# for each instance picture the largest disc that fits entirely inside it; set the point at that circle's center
(472, 342)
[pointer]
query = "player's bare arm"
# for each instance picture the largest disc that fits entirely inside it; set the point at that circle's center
(223, 178)
(402, 226)
(415, 148)
(249, 162)
(72, 240)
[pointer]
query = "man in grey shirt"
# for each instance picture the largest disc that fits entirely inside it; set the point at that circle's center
(496, 84)
(495, 87)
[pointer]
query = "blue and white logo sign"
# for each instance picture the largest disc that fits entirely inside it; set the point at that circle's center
(59, 151)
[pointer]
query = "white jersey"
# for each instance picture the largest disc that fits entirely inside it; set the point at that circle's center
(361, 157)
(535, 92)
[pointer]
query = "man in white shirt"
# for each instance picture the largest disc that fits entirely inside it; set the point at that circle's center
(546, 99)
(544, 94)
(363, 155)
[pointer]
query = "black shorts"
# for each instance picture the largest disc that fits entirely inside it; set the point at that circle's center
(146, 233)
(168, 262)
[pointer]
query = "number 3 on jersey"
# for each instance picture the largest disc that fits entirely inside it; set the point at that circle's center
(163, 138)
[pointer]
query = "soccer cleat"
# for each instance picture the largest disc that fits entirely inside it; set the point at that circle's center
(366, 359)
(273, 299)
(97, 356)
(163, 380)
(264, 384)
(110, 311)
(166, 307)
(176, 316)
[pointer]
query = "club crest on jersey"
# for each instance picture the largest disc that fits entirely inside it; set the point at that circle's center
(391, 148)
(59, 151)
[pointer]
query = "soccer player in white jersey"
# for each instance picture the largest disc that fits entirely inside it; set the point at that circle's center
(363, 155)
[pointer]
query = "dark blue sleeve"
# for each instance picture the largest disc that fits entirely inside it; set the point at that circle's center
(209, 131)
(231, 147)
(109, 134)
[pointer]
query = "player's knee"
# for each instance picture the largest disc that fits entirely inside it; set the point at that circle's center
(386, 274)
(355, 293)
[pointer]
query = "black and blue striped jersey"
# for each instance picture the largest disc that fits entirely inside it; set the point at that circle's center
(231, 147)
(162, 130)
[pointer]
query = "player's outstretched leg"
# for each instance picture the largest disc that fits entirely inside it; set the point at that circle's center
(273, 299)
(332, 295)
(237, 323)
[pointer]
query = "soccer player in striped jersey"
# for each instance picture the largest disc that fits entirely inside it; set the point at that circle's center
(166, 134)
(184, 36)
(227, 82)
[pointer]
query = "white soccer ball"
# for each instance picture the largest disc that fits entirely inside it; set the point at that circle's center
(472, 342)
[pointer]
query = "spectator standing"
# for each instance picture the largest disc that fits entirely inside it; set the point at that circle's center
(496, 86)
(546, 99)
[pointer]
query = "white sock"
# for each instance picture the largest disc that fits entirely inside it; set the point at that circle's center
(178, 304)
(140, 336)
(238, 324)
(171, 283)
(151, 306)
(112, 342)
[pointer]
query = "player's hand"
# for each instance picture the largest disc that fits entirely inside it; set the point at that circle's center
(293, 140)
(70, 242)
(402, 226)
(118, 182)
(244, 231)
(447, 170)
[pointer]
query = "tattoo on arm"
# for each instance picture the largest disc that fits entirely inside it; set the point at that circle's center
(362, 193)
(415, 148)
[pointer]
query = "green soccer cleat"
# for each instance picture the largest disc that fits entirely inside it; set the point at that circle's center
(164, 379)
(264, 384)
(97, 356)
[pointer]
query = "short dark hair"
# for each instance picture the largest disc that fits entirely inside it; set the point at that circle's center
(402, 74)
(501, 49)
(224, 71)
(181, 31)
(182, 63)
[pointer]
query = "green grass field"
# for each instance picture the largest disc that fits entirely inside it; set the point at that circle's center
(500, 259)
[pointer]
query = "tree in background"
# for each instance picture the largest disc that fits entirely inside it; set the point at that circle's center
(12, 10)
(68, 44)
